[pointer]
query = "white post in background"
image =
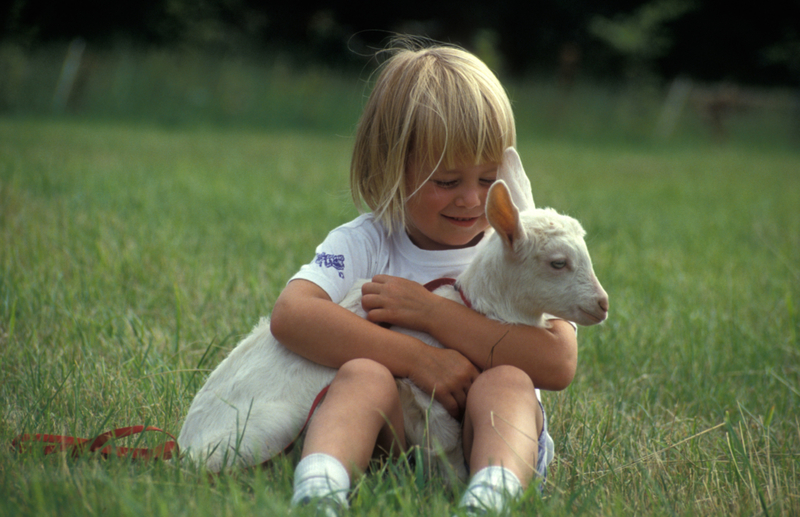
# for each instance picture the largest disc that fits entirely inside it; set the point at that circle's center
(676, 99)
(72, 62)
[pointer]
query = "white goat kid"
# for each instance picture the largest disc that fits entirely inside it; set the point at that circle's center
(536, 263)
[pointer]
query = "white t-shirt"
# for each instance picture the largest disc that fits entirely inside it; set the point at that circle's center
(363, 248)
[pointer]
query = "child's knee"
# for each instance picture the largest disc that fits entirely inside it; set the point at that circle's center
(369, 378)
(503, 379)
(365, 370)
(501, 387)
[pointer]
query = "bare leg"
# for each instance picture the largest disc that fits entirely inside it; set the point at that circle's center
(511, 441)
(360, 414)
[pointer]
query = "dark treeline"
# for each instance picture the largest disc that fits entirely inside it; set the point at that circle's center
(708, 40)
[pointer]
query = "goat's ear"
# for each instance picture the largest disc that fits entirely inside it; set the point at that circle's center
(502, 214)
(513, 174)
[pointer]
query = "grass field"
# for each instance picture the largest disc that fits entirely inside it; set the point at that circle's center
(133, 257)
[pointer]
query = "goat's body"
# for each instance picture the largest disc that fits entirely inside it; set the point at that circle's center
(255, 402)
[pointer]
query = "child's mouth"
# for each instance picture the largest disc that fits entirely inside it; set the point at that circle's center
(461, 221)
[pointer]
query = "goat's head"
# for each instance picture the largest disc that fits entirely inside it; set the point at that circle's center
(546, 260)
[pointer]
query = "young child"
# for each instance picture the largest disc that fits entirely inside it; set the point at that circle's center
(427, 149)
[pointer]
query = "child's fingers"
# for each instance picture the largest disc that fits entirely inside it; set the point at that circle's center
(382, 279)
(451, 406)
(455, 403)
(455, 380)
(397, 301)
(370, 302)
(379, 283)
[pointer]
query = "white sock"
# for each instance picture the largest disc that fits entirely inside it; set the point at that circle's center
(491, 488)
(320, 475)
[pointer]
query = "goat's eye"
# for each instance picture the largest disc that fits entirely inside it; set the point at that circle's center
(558, 264)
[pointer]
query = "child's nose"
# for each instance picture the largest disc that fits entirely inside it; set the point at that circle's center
(469, 197)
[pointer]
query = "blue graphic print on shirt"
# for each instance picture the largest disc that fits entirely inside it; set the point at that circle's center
(334, 261)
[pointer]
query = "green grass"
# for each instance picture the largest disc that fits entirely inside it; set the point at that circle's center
(133, 257)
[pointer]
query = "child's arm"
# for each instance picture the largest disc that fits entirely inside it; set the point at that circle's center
(548, 355)
(306, 321)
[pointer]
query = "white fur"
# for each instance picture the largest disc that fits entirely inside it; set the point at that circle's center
(256, 401)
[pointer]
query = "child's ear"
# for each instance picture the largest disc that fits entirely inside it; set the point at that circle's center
(502, 214)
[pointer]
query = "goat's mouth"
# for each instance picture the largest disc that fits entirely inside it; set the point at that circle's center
(593, 318)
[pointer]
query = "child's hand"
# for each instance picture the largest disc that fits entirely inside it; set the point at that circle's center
(448, 375)
(397, 301)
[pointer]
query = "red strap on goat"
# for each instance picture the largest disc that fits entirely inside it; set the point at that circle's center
(439, 282)
(80, 445)
(314, 405)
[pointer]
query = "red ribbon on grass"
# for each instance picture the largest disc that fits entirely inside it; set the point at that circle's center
(79, 446)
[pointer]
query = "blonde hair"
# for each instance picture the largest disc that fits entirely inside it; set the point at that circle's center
(441, 103)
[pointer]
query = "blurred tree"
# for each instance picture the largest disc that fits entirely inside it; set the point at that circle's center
(640, 37)
(723, 40)
(222, 25)
(705, 39)
(786, 52)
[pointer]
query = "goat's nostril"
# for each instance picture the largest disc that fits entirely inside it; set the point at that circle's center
(604, 304)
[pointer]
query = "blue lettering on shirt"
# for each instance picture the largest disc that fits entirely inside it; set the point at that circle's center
(334, 261)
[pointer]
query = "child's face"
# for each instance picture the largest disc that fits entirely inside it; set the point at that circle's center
(447, 212)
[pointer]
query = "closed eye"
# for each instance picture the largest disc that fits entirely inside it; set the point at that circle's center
(486, 182)
(558, 264)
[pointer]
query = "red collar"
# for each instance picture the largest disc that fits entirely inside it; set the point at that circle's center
(439, 282)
